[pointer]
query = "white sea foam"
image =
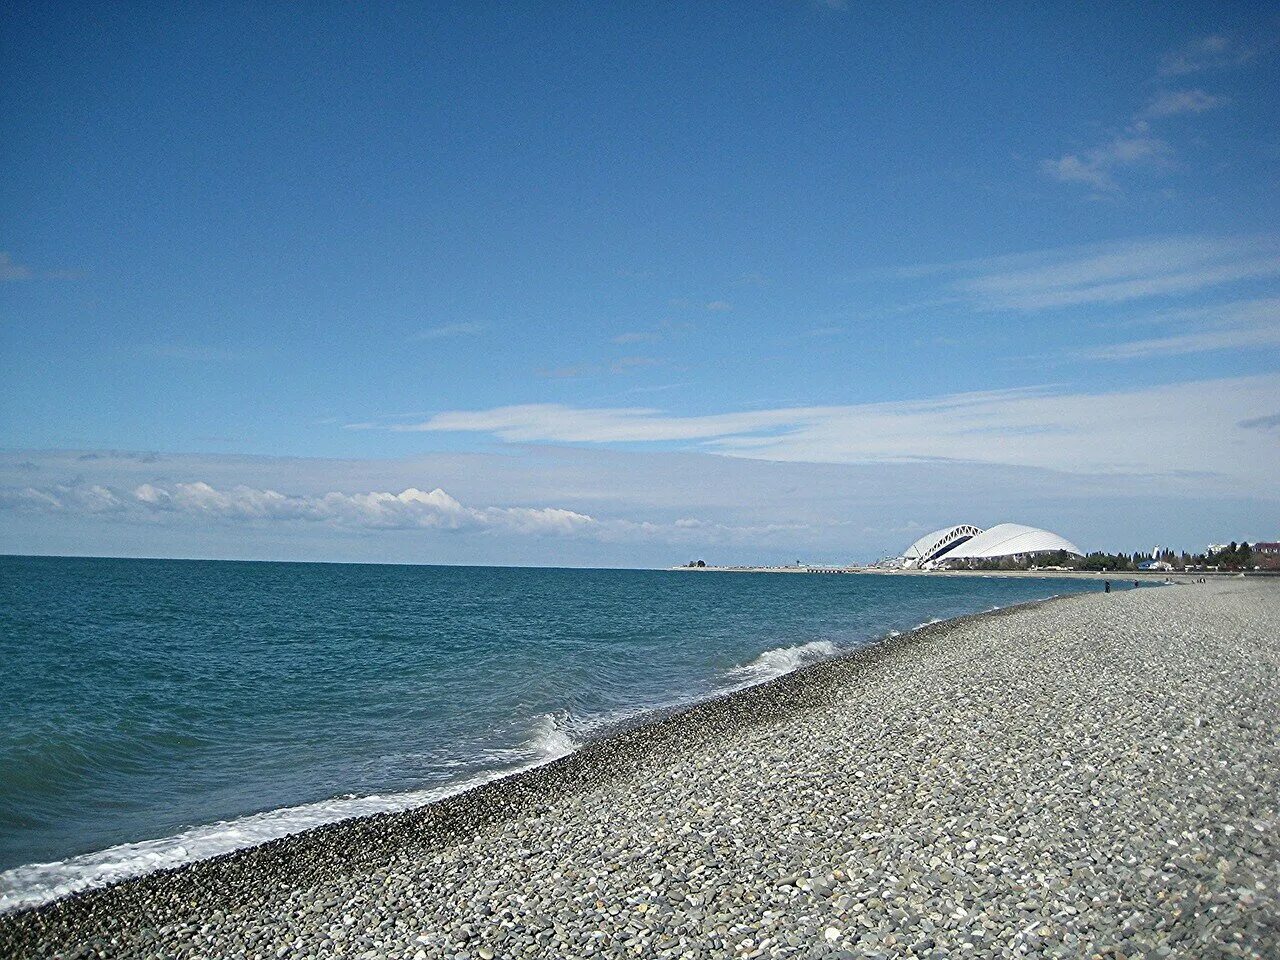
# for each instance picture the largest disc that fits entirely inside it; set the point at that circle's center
(551, 738)
(780, 661)
(38, 883)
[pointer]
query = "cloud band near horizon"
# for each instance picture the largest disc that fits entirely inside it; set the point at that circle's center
(1167, 431)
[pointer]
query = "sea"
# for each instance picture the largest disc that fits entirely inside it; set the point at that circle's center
(154, 712)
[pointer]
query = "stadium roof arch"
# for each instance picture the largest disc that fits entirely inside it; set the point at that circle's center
(933, 546)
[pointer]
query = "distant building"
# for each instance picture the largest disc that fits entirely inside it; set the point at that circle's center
(1255, 547)
(964, 542)
(1155, 565)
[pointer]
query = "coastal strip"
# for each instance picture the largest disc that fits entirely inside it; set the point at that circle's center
(1096, 775)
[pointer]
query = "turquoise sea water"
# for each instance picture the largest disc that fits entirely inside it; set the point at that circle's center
(156, 711)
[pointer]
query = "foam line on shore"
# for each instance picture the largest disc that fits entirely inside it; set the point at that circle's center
(554, 739)
(35, 884)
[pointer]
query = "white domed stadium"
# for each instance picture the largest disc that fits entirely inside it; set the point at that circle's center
(964, 544)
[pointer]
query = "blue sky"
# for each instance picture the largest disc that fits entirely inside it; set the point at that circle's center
(836, 257)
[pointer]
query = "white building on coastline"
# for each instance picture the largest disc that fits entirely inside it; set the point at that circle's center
(965, 542)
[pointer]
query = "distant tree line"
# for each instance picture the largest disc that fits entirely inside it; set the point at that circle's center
(1233, 557)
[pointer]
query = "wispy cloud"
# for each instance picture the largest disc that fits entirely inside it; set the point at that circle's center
(1137, 146)
(719, 306)
(1232, 326)
(1173, 102)
(1192, 425)
(448, 330)
(1097, 167)
(1215, 51)
(377, 510)
(1112, 273)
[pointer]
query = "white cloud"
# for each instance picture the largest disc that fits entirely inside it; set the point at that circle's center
(1173, 102)
(1185, 426)
(719, 306)
(1114, 273)
(1203, 342)
(560, 423)
(1211, 52)
(409, 509)
(378, 509)
(1245, 324)
(81, 498)
(1096, 167)
(1137, 146)
(450, 330)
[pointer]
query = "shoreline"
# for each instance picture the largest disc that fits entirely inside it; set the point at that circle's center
(1159, 576)
(613, 754)
(390, 804)
(674, 768)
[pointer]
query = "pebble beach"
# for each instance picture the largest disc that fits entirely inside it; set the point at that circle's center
(1093, 776)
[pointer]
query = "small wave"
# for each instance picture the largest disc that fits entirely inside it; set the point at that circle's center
(780, 661)
(551, 739)
(37, 883)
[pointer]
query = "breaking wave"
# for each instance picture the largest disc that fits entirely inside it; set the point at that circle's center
(780, 661)
(37, 883)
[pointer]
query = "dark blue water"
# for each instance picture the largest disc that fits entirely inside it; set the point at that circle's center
(157, 711)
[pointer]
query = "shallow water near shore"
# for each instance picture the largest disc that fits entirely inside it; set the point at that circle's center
(155, 712)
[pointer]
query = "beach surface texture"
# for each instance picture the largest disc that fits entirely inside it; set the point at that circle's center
(1092, 776)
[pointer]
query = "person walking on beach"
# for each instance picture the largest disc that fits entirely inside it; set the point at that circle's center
(1106, 586)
